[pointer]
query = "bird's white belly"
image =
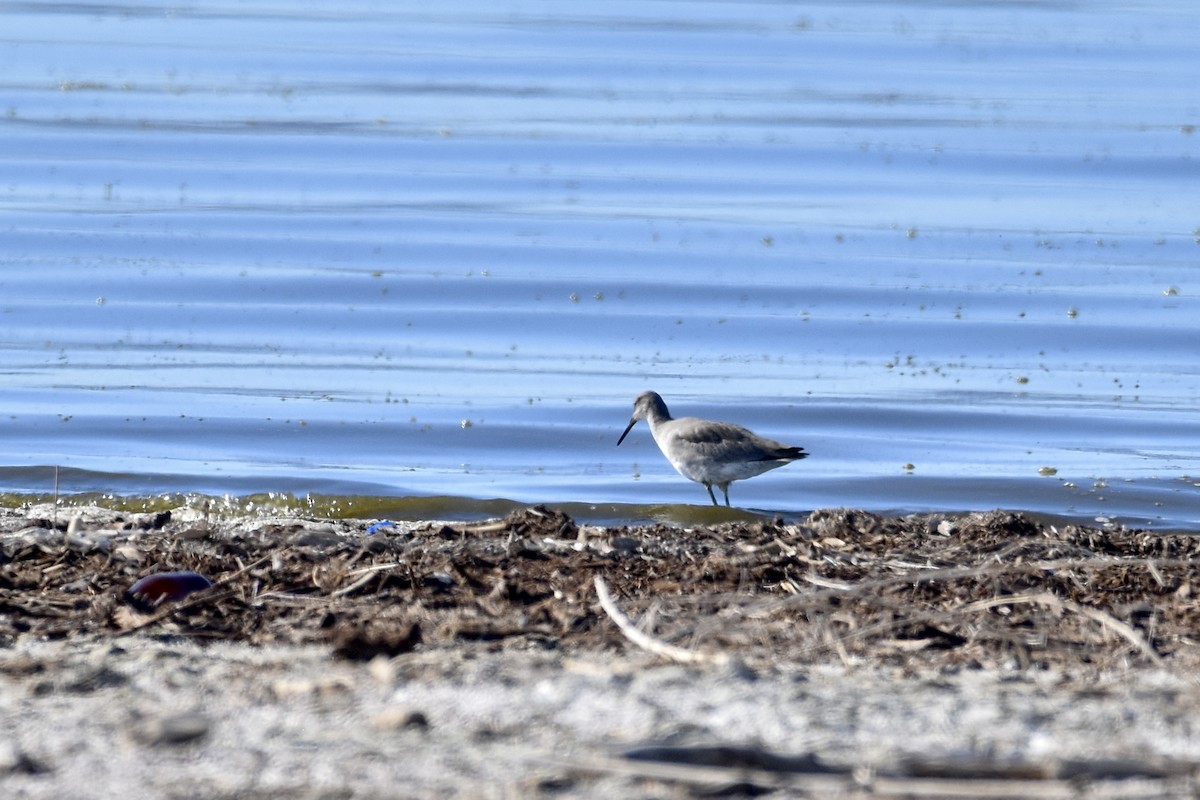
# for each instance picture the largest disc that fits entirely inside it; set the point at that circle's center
(722, 472)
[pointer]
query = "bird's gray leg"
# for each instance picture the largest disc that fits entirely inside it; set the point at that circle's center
(725, 489)
(710, 493)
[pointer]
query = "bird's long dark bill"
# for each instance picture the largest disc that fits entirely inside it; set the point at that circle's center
(628, 428)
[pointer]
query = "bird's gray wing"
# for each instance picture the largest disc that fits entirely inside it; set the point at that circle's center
(733, 441)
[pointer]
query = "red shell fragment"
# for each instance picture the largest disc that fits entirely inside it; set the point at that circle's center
(163, 586)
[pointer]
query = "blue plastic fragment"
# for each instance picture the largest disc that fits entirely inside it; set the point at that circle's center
(378, 526)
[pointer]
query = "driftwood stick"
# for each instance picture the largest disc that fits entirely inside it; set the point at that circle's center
(1106, 620)
(946, 574)
(880, 786)
(366, 574)
(644, 640)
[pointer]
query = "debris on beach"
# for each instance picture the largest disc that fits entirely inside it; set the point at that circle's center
(161, 587)
(942, 591)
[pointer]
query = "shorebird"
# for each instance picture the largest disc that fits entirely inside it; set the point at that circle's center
(708, 452)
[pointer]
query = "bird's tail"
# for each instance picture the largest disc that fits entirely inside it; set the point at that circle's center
(786, 454)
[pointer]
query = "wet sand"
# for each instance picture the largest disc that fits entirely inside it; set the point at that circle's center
(845, 655)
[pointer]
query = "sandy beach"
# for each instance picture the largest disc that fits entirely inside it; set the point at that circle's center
(849, 655)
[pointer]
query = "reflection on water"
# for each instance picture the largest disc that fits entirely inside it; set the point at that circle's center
(384, 252)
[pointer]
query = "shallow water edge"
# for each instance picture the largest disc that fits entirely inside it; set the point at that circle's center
(385, 508)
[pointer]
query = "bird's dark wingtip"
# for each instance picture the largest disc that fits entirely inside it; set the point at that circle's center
(785, 454)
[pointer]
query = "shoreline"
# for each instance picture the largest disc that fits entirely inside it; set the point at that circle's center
(845, 655)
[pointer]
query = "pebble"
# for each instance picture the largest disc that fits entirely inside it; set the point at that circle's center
(181, 728)
(163, 586)
(396, 719)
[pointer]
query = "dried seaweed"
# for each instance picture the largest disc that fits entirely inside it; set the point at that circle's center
(932, 591)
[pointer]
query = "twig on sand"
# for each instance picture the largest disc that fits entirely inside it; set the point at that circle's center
(1106, 620)
(933, 575)
(884, 786)
(1122, 629)
(644, 640)
(367, 574)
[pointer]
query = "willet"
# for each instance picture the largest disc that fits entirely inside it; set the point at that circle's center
(707, 452)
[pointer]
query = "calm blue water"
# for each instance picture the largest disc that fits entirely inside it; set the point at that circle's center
(404, 250)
